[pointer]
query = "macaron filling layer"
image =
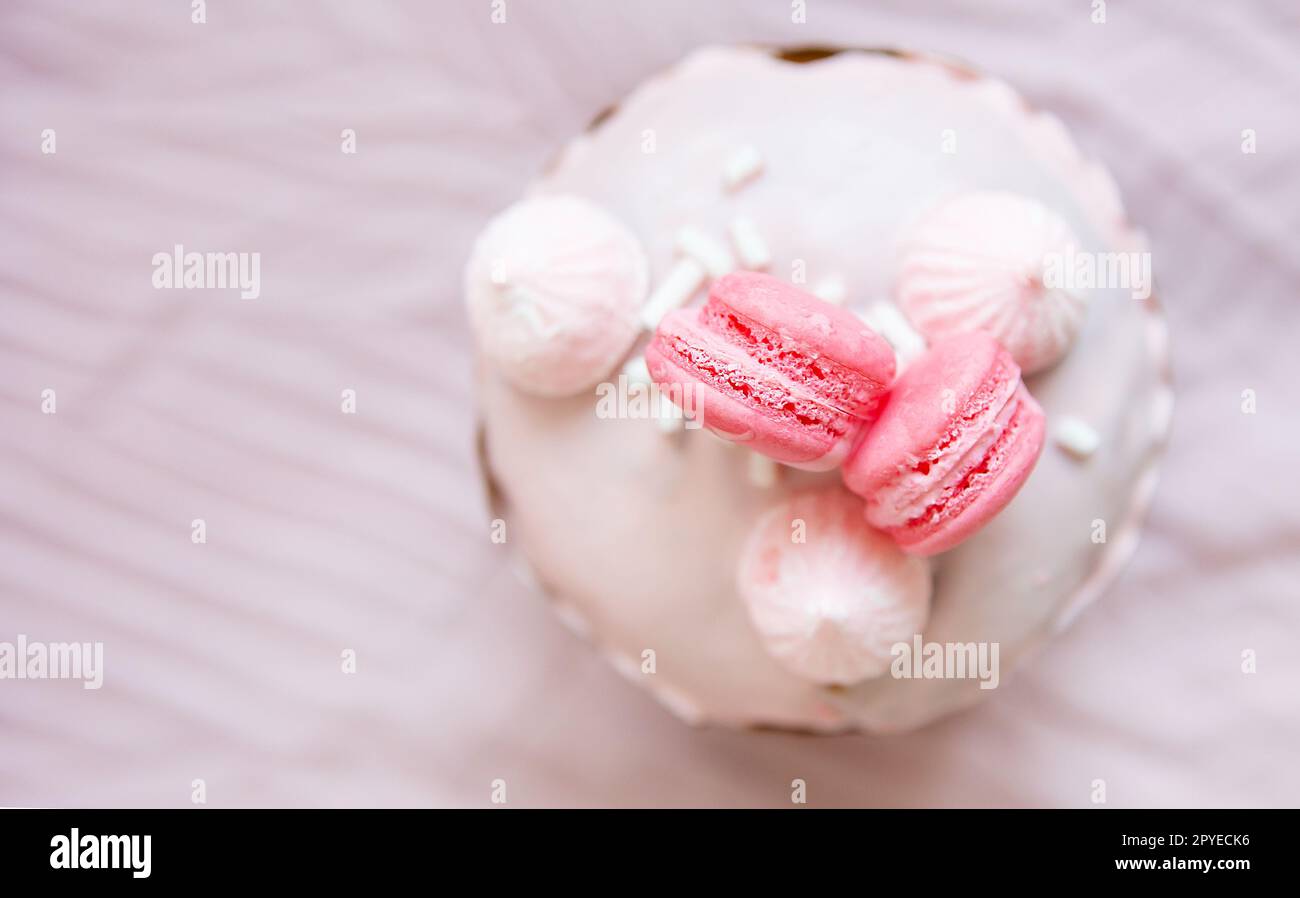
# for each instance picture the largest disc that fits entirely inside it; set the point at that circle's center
(718, 364)
(828, 379)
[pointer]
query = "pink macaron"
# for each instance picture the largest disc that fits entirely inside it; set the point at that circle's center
(782, 372)
(955, 442)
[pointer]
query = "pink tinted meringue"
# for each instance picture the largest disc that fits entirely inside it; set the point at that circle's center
(554, 287)
(831, 607)
(977, 262)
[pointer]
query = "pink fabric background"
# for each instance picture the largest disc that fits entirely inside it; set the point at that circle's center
(328, 531)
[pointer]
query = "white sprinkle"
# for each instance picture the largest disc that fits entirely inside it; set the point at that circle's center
(831, 289)
(712, 254)
(674, 291)
(636, 370)
(670, 418)
(885, 319)
(749, 243)
(1076, 436)
(762, 471)
(741, 167)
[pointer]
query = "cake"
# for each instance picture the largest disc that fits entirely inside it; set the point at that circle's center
(834, 171)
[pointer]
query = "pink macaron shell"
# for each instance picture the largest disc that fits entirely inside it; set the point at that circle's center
(819, 327)
(1006, 476)
(834, 383)
(954, 444)
(800, 445)
(926, 408)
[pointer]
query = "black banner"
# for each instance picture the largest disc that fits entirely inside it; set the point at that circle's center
(332, 848)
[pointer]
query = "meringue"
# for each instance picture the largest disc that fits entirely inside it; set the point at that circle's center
(554, 287)
(977, 263)
(828, 595)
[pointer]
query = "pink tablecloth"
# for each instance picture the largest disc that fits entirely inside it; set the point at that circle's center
(329, 531)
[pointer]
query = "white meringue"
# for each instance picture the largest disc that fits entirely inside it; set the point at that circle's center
(554, 288)
(831, 607)
(977, 262)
